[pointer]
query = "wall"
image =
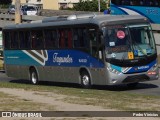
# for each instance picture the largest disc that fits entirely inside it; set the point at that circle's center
(67, 3)
(22, 1)
(50, 4)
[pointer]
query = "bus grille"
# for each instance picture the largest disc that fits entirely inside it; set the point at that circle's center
(136, 78)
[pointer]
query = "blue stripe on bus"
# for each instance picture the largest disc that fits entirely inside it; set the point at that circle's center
(118, 11)
(143, 68)
(17, 57)
(153, 12)
(135, 69)
(66, 58)
(139, 12)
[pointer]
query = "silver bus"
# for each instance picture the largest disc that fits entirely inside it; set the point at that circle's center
(86, 49)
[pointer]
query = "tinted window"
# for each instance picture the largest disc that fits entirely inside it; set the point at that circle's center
(37, 39)
(65, 38)
(24, 37)
(14, 40)
(92, 37)
(50, 38)
(80, 38)
(137, 2)
(6, 40)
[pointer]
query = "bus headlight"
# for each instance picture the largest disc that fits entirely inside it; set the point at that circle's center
(153, 68)
(113, 70)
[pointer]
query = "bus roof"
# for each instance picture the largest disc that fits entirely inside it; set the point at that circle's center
(80, 19)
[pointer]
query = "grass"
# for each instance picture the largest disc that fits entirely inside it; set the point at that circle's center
(105, 98)
(8, 102)
(1, 64)
(119, 100)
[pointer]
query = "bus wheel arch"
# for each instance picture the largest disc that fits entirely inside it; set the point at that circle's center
(85, 78)
(33, 75)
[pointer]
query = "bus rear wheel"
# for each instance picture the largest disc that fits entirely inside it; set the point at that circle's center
(33, 76)
(85, 80)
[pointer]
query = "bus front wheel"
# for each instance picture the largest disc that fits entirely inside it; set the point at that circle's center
(85, 80)
(33, 76)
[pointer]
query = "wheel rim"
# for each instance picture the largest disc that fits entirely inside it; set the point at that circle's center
(85, 80)
(34, 78)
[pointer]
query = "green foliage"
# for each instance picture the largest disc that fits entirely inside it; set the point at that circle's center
(89, 6)
(5, 3)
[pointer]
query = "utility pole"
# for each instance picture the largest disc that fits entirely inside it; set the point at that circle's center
(99, 6)
(17, 12)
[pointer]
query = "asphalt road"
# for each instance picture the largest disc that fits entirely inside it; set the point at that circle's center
(149, 87)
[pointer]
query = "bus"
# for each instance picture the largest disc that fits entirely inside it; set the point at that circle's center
(147, 8)
(85, 49)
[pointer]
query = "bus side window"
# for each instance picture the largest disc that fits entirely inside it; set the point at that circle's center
(156, 3)
(14, 40)
(37, 39)
(141, 3)
(55, 38)
(50, 38)
(79, 38)
(93, 43)
(75, 38)
(61, 39)
(69, 39)
(117, 2)
(24, 37)
(6, 40)
(65, 38)
(136, 2)
(127, 2)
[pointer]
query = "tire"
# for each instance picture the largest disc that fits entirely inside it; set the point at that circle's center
(132, 85)
(85, 80)
(33, 77)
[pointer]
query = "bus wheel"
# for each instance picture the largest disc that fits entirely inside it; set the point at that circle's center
(132, 85)
(33, 76)
(85, 80)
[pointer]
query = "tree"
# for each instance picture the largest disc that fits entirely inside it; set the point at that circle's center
(89, 5)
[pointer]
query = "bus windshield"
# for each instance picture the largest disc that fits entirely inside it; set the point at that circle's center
(129, 42)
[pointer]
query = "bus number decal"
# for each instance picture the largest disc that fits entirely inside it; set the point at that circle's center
(152, 11)
(83, 60)
(59, 60)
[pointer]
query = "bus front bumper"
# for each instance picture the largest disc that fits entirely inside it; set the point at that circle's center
(121, 78)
